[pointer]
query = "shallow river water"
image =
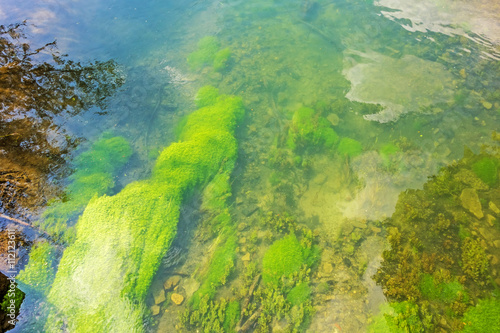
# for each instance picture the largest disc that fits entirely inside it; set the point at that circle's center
(251, 166)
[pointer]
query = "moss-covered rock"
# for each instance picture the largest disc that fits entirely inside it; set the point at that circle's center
(309, 128)
(283, 258)
(349, 147)
(487, 169)
(483, 318)
(104, 276)
(94, 176)
(299, 294)
(205, 54)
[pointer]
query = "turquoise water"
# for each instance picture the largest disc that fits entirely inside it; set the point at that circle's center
(325, 219)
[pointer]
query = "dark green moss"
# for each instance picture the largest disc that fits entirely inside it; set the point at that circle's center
(205, 54)
(232, 316)
(349, 147)
(487, 169)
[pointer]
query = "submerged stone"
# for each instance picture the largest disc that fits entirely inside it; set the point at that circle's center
(493, 207)
(155, 309)
(160, 296)
(172, 282)
(177, 298)
(470, 201)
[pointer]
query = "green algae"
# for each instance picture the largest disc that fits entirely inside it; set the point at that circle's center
(487, 170)
(483, 318)
(205, 54)
(94, 176)
(309, 128)
(447, 292)
(283, 258)
(349, 147)
(39, 273)
(121, 239)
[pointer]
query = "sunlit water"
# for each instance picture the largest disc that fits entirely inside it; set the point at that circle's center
(423, 79)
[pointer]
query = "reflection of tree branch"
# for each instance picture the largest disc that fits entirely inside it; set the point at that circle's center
(36, 84)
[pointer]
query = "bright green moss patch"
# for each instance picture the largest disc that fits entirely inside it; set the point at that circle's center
(486, 169)
(299, 294)
(220, 267)
(232, 316)
(309, 128)
(121, 239)
(447, 292)
(39, 273)
(94, 174)
(284, 257)
(206, 96)
(483, 318)
(349, 147)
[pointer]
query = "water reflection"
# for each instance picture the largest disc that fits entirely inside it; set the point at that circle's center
(38, 87)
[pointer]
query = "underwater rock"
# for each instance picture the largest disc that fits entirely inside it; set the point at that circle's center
(172, 282)
(486, 105)
(177, 298)
(470, 201)
(468, 177)
(155, 309)
(490, 219)
(160, 296)
(333, 119)
(493, 207)
(246, 257)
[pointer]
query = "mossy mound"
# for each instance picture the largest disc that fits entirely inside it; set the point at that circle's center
(483, 318)
(309, 128)
(39, 273)
(209, 53)
(299, 294)
(284, 257)
(487, 170)
(94, 176)
(349, 147)
(105, 275)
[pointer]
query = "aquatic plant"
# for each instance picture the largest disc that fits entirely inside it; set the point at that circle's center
(232, 316)
(406, 318)
(284, 257)
(205, 54)
(487, 169)
(121, 239)
(38, 275)
(221, 58)
(447, 292)
(309, 128)
(299, 294)
(474, 259)
(349, 147)
(483, 318)
(93, 176)
(206, 95)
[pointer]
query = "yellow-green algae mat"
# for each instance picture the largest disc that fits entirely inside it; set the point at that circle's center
(105, 274)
